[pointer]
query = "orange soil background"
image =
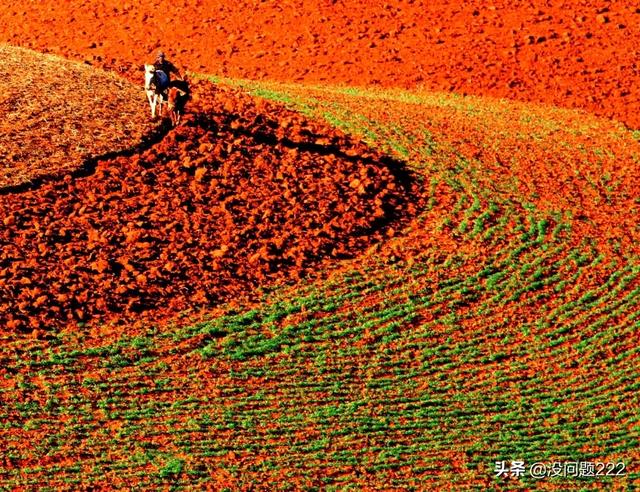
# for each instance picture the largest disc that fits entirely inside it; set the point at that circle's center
(567, 54)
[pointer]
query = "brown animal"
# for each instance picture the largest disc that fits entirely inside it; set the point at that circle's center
(177, 97)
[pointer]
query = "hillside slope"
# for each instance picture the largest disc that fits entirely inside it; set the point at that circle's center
(500, 324)
(574, 54)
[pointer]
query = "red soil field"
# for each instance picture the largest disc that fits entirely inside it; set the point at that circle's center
(243, 193)
(580, 55)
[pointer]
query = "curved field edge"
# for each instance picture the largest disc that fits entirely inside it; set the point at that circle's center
(497, 326)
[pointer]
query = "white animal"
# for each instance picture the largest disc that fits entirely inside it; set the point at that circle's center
(157, 99)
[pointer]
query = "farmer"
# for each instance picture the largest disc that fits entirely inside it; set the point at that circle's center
(163, 65)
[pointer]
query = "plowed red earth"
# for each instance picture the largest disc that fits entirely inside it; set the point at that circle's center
(244, 193)
(580, 54)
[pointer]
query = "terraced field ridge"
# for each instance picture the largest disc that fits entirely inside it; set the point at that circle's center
(500, 322)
